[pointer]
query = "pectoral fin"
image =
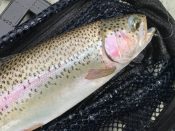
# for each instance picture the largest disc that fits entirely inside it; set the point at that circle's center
(33, 127)
(99, 73)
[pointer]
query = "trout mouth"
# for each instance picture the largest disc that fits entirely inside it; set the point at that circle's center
(147, 31)
(145, 27)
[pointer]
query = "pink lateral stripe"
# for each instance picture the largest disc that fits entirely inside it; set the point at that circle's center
(20, 90)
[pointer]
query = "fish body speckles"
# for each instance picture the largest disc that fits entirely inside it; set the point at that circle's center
(42, 83)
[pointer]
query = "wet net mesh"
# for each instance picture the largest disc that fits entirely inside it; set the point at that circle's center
(135, 97)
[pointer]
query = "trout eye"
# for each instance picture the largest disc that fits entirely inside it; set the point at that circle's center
(134, 23)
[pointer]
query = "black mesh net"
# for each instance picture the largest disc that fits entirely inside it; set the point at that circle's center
(135, 97)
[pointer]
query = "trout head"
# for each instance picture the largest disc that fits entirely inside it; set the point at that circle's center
(125, 37)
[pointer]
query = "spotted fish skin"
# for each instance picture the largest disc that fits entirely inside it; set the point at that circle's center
(42, 83)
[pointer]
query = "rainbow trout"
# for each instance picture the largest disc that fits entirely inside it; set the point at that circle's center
(42, 83)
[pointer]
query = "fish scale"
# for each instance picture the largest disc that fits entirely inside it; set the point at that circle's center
(48, 57)
(40, 84)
